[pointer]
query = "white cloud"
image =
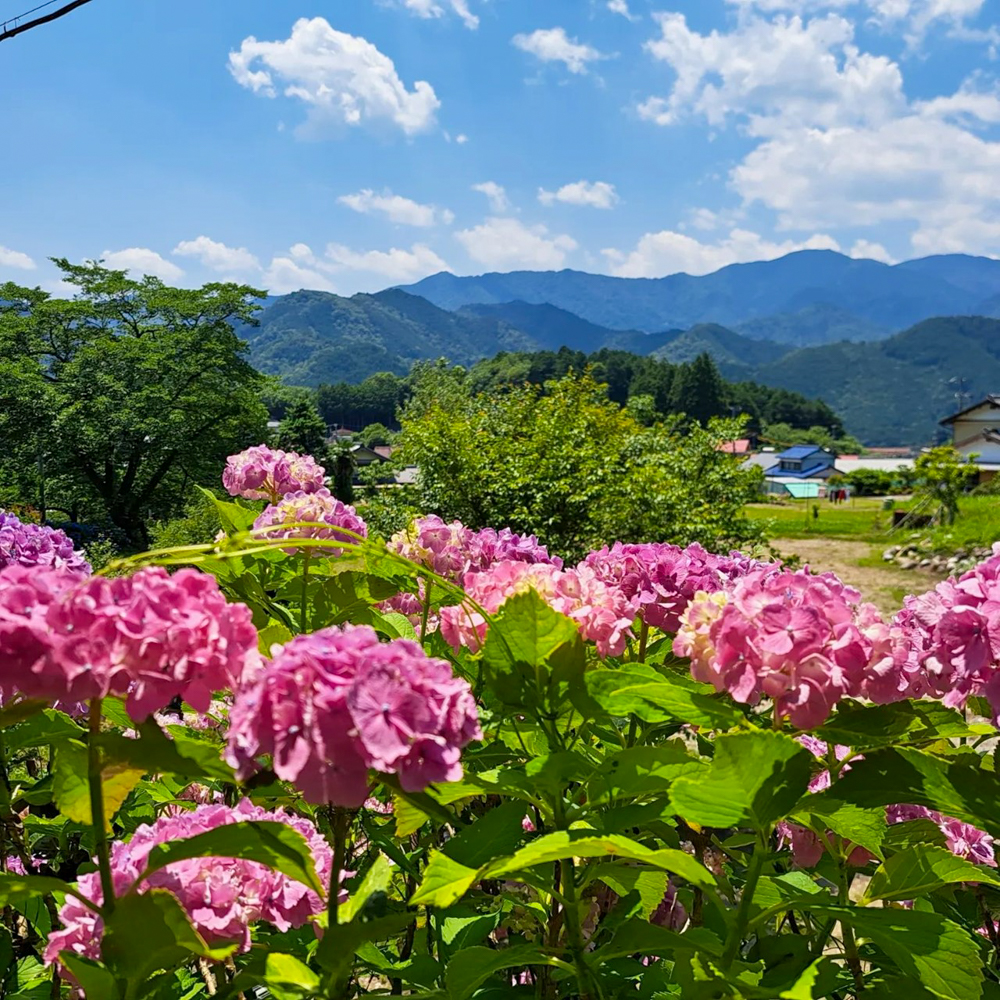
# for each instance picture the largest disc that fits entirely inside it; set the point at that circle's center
(14, 258)
(497, 195)
(294, 271)
(866, 250)
(461, 138)
(218, 256)
(508, 244)
(396, 208)
(777, 73)
(430, 8)
(342, 79)
(668, 252)
(621, 7)
(600, 194)
(396, 265)
(142, 261)
(554, 45)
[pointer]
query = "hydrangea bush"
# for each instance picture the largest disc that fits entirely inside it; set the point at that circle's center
(306, 762)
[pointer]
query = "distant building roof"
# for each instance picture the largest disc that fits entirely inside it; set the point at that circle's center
(812, 472)
(901, 452)
(385, 450)
(992, 401)
(764, 460)
(847, 464)
(741, 446)
(800, 451)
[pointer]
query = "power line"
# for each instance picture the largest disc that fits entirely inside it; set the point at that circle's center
(17, 29)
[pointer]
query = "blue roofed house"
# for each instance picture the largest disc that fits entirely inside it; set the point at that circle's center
(800, 470)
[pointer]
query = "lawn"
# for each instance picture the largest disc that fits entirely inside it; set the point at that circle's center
(861, 518)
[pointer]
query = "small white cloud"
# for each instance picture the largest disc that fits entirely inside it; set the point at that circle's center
(342, 79)
(621, 7)
(296, 271)
(430, 8)
(497, 195)
(461, 139)
(14, 258)
(396, 208)
(218, 256)
(142, 261)
(669, 252)
(554, 45)
(508, 244)
(866, 250)
(600, 194)
(396, 265)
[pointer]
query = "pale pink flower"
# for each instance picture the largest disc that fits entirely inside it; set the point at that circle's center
(262, 473)
(315, 515)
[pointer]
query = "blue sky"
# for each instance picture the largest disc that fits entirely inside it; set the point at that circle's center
(354, 144)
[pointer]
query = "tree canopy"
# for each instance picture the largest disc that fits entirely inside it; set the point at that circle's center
(117, 399)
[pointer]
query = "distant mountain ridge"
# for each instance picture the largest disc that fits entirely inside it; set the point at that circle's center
(833, 294)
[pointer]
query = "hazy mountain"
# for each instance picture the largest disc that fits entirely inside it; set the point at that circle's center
(866, 292)
(815, 324)
(730, 350)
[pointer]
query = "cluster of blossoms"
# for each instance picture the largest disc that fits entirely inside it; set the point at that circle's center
(223, 897)
(603, 612)
(453, 550)
(946, 643)
(662, 579)
(262, 473)
(804, 641)
(333, 704)
(151, 637)
(26, 544)
(962, 839)
(316, 515)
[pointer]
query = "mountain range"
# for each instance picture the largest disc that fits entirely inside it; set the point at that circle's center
(815, 322)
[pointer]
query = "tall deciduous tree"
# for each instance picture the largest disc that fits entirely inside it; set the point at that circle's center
(127, 392)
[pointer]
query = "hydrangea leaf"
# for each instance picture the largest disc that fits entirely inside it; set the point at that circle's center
(921, 869)
(16, 889)
(869, 727)
(495, 834)
(96, 982)
(71, 789)
(641, 691)
(44, 729)
(274, 633)
(470, 968)
(235, 517)
(642, 771)
(649, 886)
(151, 931)
(755, 777)
(942, 956)
(640, 936)
(156, 753)
(276, 845)
(286, 978)
(377, 879)
(865, 827)
(18, 711)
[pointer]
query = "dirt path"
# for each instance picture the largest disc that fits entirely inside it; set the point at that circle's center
(884, 585)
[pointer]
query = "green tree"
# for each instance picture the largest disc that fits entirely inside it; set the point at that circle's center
(127, 393)
(303, 430)
(942, 475)
(375, 434)
(564, 462)
(698, 390)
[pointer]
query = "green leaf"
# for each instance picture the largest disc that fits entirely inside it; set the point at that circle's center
(446, 881)
(408, 817)
(775, 889)
(493, 835)
(235, 517)
(16, 889)
(922, 869)
(866, 828)
(274, 633)
(71, 789)
(276, 845)
(900, 836)
(644, 938)
(642, 771)
(337, 949)
(18, 711)
(755, 777)
(43, 728)
(394, 625)
(96, 982)
(469, 969)
(463, 929)
(289, 979)
(148, 932)
(641, 691)
(869, 727)
(970, 794)
(377, 879)
(942, 956)
(156, 753)
(650, 886)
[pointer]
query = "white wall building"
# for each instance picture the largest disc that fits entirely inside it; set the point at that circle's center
(976, 431)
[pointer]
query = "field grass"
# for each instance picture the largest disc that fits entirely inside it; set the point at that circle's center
(863, 519)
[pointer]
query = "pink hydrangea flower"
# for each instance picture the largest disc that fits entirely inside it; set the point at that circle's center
(26, 544)
(150, 637)
(262, 473)
(318, 515)
(333, 704)
(223, 897)
(792, 637)
(962, 839)
(603, 613)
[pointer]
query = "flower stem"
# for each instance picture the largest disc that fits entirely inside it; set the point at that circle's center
(97, 806)
(425, 616)
(847, 933)
(739, 928)
(303, 619)
(340, 820)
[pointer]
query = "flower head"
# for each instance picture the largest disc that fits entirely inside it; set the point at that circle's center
(333, 704)
(262, 473)
(316, 515)
(223, 897)
(26, 544)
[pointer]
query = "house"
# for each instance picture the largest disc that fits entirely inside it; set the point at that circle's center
(738, 446)
(802, 463)
(975, 431)
(363, 455)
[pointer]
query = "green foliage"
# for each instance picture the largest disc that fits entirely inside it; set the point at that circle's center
(783, 435)
(124, 394)
(303, 430)
(942, 475)
(198, 525)
(375, 434)
(565, 463)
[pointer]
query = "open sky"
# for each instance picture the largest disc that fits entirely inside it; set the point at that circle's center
(353, 144)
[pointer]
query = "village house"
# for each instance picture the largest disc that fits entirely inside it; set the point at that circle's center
(975, 432)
